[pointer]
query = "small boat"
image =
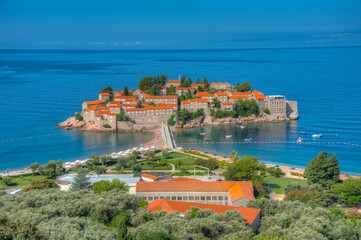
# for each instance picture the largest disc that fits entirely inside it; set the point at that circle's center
(228, 136)
(300, 140)
(317, 135)
(208, 139)
(303, 132)
(248, 139)
(242, 126)
(202, 133)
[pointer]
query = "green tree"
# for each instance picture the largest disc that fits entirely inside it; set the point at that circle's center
(107, 90)
(106, 185)
(216, 103)
(246, 169)
(244, 87)
(234, 156)
(171, 121)
(137, 168)
(7, 181)
(349, 191)
(245, 108)
(206, 84)
(81, 181)
(145, 83)
(78, 117)
(165, 154)
(122, 117)
(52, 169)
(323, 170)
(34, 166)
(125, 91)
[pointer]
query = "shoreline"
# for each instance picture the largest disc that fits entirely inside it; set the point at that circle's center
(157, 142)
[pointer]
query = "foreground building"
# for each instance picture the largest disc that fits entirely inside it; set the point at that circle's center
(251, 215)
(233, 193)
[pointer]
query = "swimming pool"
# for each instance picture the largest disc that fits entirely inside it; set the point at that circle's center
(93, 179)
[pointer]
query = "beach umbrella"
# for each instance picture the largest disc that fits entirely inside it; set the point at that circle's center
(153, 147)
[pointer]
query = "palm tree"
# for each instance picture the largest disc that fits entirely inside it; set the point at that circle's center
(234, 156)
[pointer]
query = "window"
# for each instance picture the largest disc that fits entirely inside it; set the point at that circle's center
(208, 197)
(226, 198)
(144, 198)
(185, 198)
(161, 197)
(167, 197)
(156, 198)
(174, 198)
(191, 198)
(179, 198)
(214, 198)
(150, 198)
(197, 198)
(203, 198)
(220, 198)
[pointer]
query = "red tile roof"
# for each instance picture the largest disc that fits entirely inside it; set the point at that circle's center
(163, 87)
(240, 93)
(259, 96)
(184, 88)
(185, 102)
(212, 83)
(149, 176)
(199, 100)
(237, 97)
(183, 179)
(245, 188)
(105, 94)
(126, 97)
(161, 97)
(122, 91)
(198, 85)
(94, 102)
(221, 93)
(136, 110)
(173, 81)
(205, 94)
(249, 214)
(255, 92)
(227, 103)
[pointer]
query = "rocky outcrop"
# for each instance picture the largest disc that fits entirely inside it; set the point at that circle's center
(72, 123)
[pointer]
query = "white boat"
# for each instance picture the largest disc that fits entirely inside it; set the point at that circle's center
(242, 126)
(317, 135)
(202, 133)
(228, 136)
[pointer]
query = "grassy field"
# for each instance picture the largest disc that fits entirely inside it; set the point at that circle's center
(219, 163)
(22, 180)
(279, 184)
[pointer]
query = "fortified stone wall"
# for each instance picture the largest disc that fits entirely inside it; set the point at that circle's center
(292, 109)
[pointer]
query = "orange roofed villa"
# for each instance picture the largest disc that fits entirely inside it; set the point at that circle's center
(140, 110)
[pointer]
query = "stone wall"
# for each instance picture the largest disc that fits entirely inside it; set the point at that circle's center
(292, 109)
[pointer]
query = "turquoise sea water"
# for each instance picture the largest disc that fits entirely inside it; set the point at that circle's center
(41, 88)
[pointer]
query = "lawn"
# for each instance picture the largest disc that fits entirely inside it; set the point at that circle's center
(279, 184)
(219, 163)
(22, 180)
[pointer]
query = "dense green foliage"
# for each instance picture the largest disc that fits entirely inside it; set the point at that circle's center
(52, 169)
(185, 115)
(106, 185)
(245, 108)
(234, 155)
(244, 87)
(107, 90)
(34, 166)
(122, 117)
(267, 111)
(171, 121)
(6, 181)
(294, 220)
(222, 113)
(81, 181)
(349, 191)
(78, 117)
(41, 185)
(107, 126)
(125, 91)
(152, 85)
(184, 82)
(209, 163)
(323, 170)
(246, 169)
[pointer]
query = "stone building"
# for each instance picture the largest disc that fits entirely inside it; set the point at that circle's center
(233, 99)
(234, 193)
(220, 85)
(252, 216)
(206, 95)
(163, 90)
(162, 99)
(197, 85)
(222, 96)
(88, 104)
(184, 90)
(280, 108)
(193, 105)
(104, 96)
(227, 106)
(175, 83)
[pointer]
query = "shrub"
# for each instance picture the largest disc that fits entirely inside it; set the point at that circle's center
(78, 117)
(275, 172)
(301, 195)
(259, 191)
(296, 174)
(184, 170)
(107, 126)
(106, 185)
(267, 111)
(209, 163)
(40, 185)
(171, 121)
(292, 187)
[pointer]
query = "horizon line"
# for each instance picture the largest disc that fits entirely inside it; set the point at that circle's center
(169, 49)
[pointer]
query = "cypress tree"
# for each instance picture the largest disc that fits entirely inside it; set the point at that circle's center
(125, 91)
(81, 181)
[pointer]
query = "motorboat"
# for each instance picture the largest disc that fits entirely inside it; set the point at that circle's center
(208, 139)
(248, 140)
(242, 126)
(228, 136)
(317, 135)
(303, 132)
(202, 133)
(300, 140)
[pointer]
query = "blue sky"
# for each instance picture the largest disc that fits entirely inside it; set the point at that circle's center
(118, 24)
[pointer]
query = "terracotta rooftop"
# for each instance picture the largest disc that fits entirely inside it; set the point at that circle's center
(236, 189)
(227, 103)
(259, 96)
(173, 81)
(184, 88)
(149, 176)
(105, 94)
(126, 97)
(221, 93)
(249, 214)
(185, 102)
(161, 97)
(205, 94)
(184, 179)
(199, 100)
(163, 87)
(198, 85)
(240, 93)
(94, 102)
(237, 97)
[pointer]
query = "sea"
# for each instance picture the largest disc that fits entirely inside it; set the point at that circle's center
(40, 88)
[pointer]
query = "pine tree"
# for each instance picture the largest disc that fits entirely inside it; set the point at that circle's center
(205, 81)
(125, 91)
(323, 170)
(81, 181)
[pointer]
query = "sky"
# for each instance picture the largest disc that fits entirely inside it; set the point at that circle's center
(155, 24)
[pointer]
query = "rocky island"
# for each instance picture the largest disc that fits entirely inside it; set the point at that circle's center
(179, 103)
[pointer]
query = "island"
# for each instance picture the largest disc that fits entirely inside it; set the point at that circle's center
(179, 103)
